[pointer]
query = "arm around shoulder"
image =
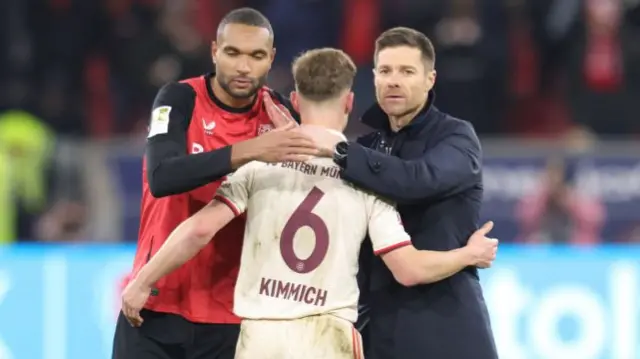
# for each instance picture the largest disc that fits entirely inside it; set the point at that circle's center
(408, 265)
(170, 168)
(449, 167)
(186, 241)
(411, 266)
(194, 233)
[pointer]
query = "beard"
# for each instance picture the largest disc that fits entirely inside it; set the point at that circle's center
(400, 112)
(241, 94)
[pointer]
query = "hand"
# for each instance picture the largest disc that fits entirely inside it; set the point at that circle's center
(279, 115)
(279, 145)
(326, 151)
(134, 297)
(482, 249)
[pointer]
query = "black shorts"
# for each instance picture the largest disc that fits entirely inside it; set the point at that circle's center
(169, 336)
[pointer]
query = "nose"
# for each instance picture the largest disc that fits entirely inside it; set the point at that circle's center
(393, 80)
(393, 83)
(243, 67)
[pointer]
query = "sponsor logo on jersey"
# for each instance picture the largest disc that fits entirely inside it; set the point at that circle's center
(208, 127)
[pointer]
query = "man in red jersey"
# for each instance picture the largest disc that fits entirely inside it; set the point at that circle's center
(201, 130)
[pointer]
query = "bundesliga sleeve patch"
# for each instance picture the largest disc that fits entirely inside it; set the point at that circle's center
(159, 121)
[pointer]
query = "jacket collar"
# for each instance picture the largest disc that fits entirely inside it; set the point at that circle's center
(376, 118)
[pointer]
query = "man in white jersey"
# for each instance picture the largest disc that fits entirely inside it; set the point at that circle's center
(297, 291)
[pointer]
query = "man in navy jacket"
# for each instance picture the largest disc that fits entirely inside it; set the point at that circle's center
(429, 163)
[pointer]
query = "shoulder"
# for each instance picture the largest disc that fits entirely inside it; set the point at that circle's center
(254, 165)
(376, 204)
(368, 140)
(175, 101)
(448, 125)
(175, 94)
(248, 168)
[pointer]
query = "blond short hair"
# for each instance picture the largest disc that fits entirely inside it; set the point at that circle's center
(323, 74)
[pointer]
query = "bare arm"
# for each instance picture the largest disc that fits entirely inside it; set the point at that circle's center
(411, 266)
(186, 241)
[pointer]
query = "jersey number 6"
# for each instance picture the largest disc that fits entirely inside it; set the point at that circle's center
(302, 217)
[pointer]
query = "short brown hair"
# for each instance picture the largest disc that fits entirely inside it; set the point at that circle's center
(404, 36)
(323, 74)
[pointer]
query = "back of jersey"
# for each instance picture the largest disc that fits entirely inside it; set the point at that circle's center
(303, 235)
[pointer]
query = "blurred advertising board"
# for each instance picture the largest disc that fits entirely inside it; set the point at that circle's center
(511, 169)
(60, 302)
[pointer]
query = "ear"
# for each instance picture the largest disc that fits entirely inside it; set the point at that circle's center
(214, 49)
(293, 96)
(432, 77)
(349, 102)
(273, 54)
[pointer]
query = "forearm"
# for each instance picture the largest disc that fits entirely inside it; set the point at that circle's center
(169, 175)
(182, 245)
(434, 266)
(450, 167)
(370, 170)
(241, 154)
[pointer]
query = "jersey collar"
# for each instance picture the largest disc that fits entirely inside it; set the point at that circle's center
(226, 108)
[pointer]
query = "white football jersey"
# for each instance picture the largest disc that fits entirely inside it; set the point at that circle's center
(302, 238)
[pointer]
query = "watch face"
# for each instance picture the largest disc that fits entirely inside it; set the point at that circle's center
(342, 147)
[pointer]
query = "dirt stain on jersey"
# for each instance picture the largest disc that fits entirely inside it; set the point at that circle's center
(243, 338)
(256, 246)
(333, 333)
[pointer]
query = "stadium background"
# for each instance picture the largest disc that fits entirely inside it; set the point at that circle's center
(552, 87)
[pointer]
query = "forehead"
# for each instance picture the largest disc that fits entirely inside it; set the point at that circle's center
(245, 37)
(399, 56)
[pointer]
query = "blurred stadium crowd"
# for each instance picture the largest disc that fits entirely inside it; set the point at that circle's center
(551, 86)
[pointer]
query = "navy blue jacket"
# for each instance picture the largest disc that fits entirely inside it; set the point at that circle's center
(432, 169)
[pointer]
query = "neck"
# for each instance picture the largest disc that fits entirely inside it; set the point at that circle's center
(227, 99)
(322, 136)
(323, 117)
(324, 124)
(399, 122)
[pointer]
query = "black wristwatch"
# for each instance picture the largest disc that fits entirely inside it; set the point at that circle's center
(340, 154)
